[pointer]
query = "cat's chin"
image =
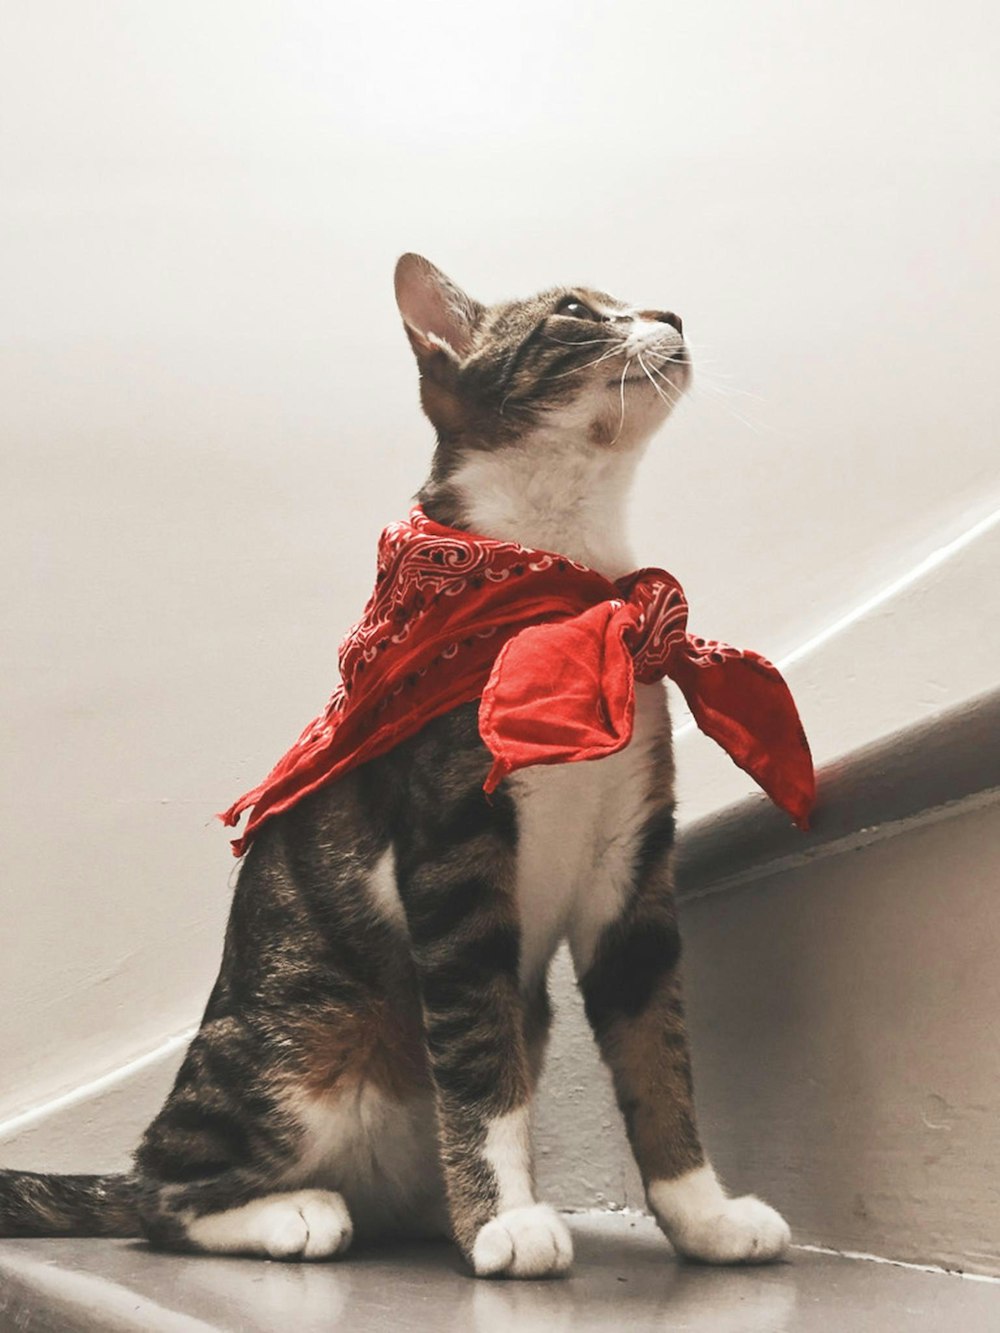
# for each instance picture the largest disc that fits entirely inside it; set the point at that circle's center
(672, 382)
(631, 414)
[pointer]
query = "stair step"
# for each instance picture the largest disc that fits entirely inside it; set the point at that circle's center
(624, 1277)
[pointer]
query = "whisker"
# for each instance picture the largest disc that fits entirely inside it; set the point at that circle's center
(646, 371)
(724, 402)
(584, 342)
(621, 389)
(666, 381)
(728, 390)
(587, 365)
(716, 374)
(575, 370)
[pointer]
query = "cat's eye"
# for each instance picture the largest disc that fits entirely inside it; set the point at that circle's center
(574, 309)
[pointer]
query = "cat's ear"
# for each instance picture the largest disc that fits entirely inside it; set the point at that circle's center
(437, 314)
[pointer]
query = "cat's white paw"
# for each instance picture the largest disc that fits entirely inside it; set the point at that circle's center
(309, 1224)
(747, 1231)
(701, 1222)
(523, 1242)
(305, 1224)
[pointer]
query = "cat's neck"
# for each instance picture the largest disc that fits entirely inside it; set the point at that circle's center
(546, 493)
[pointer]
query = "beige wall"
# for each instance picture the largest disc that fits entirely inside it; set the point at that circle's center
(846, 1020)
(209, 410)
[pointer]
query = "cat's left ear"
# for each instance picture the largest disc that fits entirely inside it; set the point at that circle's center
(437, 315)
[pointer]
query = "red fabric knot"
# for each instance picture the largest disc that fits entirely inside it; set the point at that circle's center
(551, 648)
(660, 626)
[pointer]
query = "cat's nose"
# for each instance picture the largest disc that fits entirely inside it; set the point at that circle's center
(665, 317)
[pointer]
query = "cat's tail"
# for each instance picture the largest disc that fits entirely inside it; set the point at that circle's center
(39, 1204)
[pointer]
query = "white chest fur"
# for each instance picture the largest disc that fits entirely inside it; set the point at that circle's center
(549, 494)
(577, 823)
(578, 826)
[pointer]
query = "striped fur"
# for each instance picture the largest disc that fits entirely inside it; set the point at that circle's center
(368, 1055)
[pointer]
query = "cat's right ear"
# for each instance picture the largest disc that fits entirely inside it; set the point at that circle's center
(439, 318)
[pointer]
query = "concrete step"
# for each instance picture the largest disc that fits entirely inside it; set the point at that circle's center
(624, 1277)
(844, 998)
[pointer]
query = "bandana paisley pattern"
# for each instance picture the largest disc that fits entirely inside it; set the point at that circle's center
(455, 616)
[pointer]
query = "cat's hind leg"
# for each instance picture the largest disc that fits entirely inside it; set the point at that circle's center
(297, 1224)
(289, 1224)
(210, 1168)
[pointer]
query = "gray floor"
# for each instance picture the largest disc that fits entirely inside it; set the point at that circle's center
(624, 1277)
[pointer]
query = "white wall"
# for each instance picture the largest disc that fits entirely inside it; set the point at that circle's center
(209, 411)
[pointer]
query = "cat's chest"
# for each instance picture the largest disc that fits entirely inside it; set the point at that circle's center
(577, 830)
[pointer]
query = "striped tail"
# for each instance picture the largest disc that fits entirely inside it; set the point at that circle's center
(39, 1204)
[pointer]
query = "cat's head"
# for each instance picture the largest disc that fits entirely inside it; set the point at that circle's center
(570, 364)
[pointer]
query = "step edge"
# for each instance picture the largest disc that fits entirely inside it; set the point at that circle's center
(922, 773)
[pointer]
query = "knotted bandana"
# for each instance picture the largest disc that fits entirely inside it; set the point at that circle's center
(551, 648)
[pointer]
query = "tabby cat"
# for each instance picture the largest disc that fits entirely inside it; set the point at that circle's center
(366, 1061)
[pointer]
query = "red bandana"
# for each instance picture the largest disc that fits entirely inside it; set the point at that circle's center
(553, 650)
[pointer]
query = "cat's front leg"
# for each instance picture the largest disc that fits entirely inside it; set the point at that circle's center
(627, 959)
(456, 876)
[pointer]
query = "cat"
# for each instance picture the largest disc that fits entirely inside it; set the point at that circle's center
(367, 1058)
